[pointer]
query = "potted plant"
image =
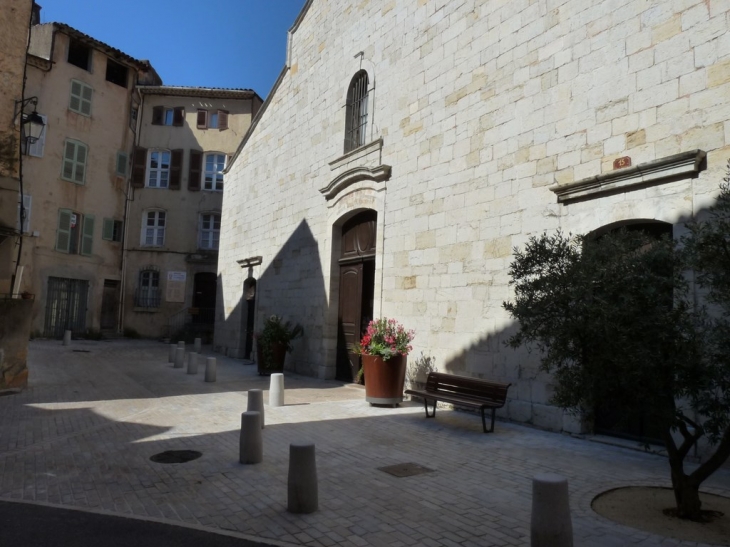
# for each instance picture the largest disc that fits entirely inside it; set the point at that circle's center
(384, 349)
(273, 342)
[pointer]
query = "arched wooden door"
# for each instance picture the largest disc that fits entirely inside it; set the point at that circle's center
(357, 289)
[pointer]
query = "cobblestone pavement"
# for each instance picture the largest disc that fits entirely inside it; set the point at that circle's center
(81, 436)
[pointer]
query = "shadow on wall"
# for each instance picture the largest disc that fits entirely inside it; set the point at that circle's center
(292, 287)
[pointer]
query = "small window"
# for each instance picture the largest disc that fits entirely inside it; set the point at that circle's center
(79, 55)
(116, 73)
(213, 120)
(112, 230)
(133, 112)
(210, 230)
(213, 175)
(356, 121)
(158, 169)
(122, 163)
(80, 100)
(74, 161)
(24, 214)
(148, 289)
(169, 116)
(153, 229)
(75, 232)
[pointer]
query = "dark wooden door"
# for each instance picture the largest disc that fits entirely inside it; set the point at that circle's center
(204, 289)
(109, 304)
(348, 363)
(249, 294)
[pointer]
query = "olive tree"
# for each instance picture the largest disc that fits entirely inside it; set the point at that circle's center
(616, 320)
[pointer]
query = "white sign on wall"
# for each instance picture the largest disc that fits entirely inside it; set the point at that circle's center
(175, 287)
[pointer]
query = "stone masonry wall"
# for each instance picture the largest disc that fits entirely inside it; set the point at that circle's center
(482, 107)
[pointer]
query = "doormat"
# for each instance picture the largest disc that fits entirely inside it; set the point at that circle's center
(176, 456)
(405, 469)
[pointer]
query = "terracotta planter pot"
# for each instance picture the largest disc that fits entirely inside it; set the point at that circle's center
(384, 379)
(276, 361)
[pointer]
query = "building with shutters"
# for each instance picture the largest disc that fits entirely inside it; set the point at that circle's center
(408, 147)
(76, 178)
(185, 137)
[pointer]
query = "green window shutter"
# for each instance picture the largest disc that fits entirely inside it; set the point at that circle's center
(107, 231)
(87, 238)
(122, 161)
(63, 234)
(80, 173)
(69, 155)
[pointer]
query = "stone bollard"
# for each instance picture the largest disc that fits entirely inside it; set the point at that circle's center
(551, 525)
(276, 389)
(192, 363)
(251, 446)
(67, 338)
(302, 486)
(197, 345)
(179, 357)
(171, 357)
(210, 369)
(256, 403)
(181, 344)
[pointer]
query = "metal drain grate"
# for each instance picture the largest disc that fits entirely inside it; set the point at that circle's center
(405, 469)
(176, 456)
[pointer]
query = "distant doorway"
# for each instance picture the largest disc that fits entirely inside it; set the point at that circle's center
(204, 291)
(357, 289)
(249, 295)
(109, 304)
(66, 306)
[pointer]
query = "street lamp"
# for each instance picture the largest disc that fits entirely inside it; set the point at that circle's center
(32, 124)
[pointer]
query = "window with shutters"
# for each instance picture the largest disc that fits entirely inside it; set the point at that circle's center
(75, 154)
(213, 175)
(162, 115)
(122, 163)
(36, 148)
(24, 214)
(80, 100)
(216, 119)
(112, 230)
(356, 113)
(210, 231)
(153, 228)
(75, 233)
(79, 55)
(148, 289)
(158, 169)
(168, 117)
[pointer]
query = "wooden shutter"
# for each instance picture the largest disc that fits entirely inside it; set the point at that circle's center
(195, 171)
(107, 230)
(158, 112)
(176, 163)
(178, 116)
(87, 236)
(202, 119)
(222, 119)
(63, 234)
(139, 166)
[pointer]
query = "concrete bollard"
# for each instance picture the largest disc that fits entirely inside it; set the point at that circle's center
(171, 357)
(276, 390)
(210, 369)
(197, 345)
(179, 357)
(551, 525)
(181, 344)
(67, 338)
(256, 403)
(302, 485)
(192, 363)
(251, 446)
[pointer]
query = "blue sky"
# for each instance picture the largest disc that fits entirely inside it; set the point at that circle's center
(215, 43)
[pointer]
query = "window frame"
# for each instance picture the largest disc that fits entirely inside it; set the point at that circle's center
(158, 230)
(148, 293)
(124, 157)
(158, 170)
(213, 233)
(80, 97)
(357, 111)
(75, 161)
(214, 174)
(112, 230)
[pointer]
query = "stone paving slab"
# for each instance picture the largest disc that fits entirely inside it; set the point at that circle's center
(81, 436)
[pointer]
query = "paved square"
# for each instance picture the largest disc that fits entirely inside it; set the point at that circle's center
(83, 433)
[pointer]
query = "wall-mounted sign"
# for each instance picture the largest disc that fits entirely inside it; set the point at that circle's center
(620, 163)
(175, 291)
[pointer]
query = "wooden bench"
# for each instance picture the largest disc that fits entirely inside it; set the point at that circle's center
(464, 392)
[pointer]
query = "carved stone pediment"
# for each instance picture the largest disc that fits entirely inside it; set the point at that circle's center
(361, 164)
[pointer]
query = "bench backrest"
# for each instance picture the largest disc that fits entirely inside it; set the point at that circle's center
(463, 385)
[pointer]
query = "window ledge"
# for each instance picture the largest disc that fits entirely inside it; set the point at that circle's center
(353, 155)
(664, 170)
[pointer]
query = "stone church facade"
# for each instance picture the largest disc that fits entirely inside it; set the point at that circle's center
(409, 145)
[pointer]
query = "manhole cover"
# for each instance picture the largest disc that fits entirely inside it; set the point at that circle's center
(405, 469)
(176, 456)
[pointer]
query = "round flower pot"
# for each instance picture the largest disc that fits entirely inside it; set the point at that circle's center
(384, 379)
(273, 362)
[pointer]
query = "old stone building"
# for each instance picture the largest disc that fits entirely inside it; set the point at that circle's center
(185, 137)
(409, 146)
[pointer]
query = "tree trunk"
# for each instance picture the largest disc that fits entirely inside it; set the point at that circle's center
(687, 496)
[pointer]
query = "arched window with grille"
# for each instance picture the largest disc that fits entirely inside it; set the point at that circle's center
(357, 111)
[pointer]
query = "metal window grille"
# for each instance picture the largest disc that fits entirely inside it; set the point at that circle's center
(66, 306)
(356, 112)
(148, 291)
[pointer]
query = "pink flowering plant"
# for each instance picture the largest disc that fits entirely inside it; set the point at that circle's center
(386, 338)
